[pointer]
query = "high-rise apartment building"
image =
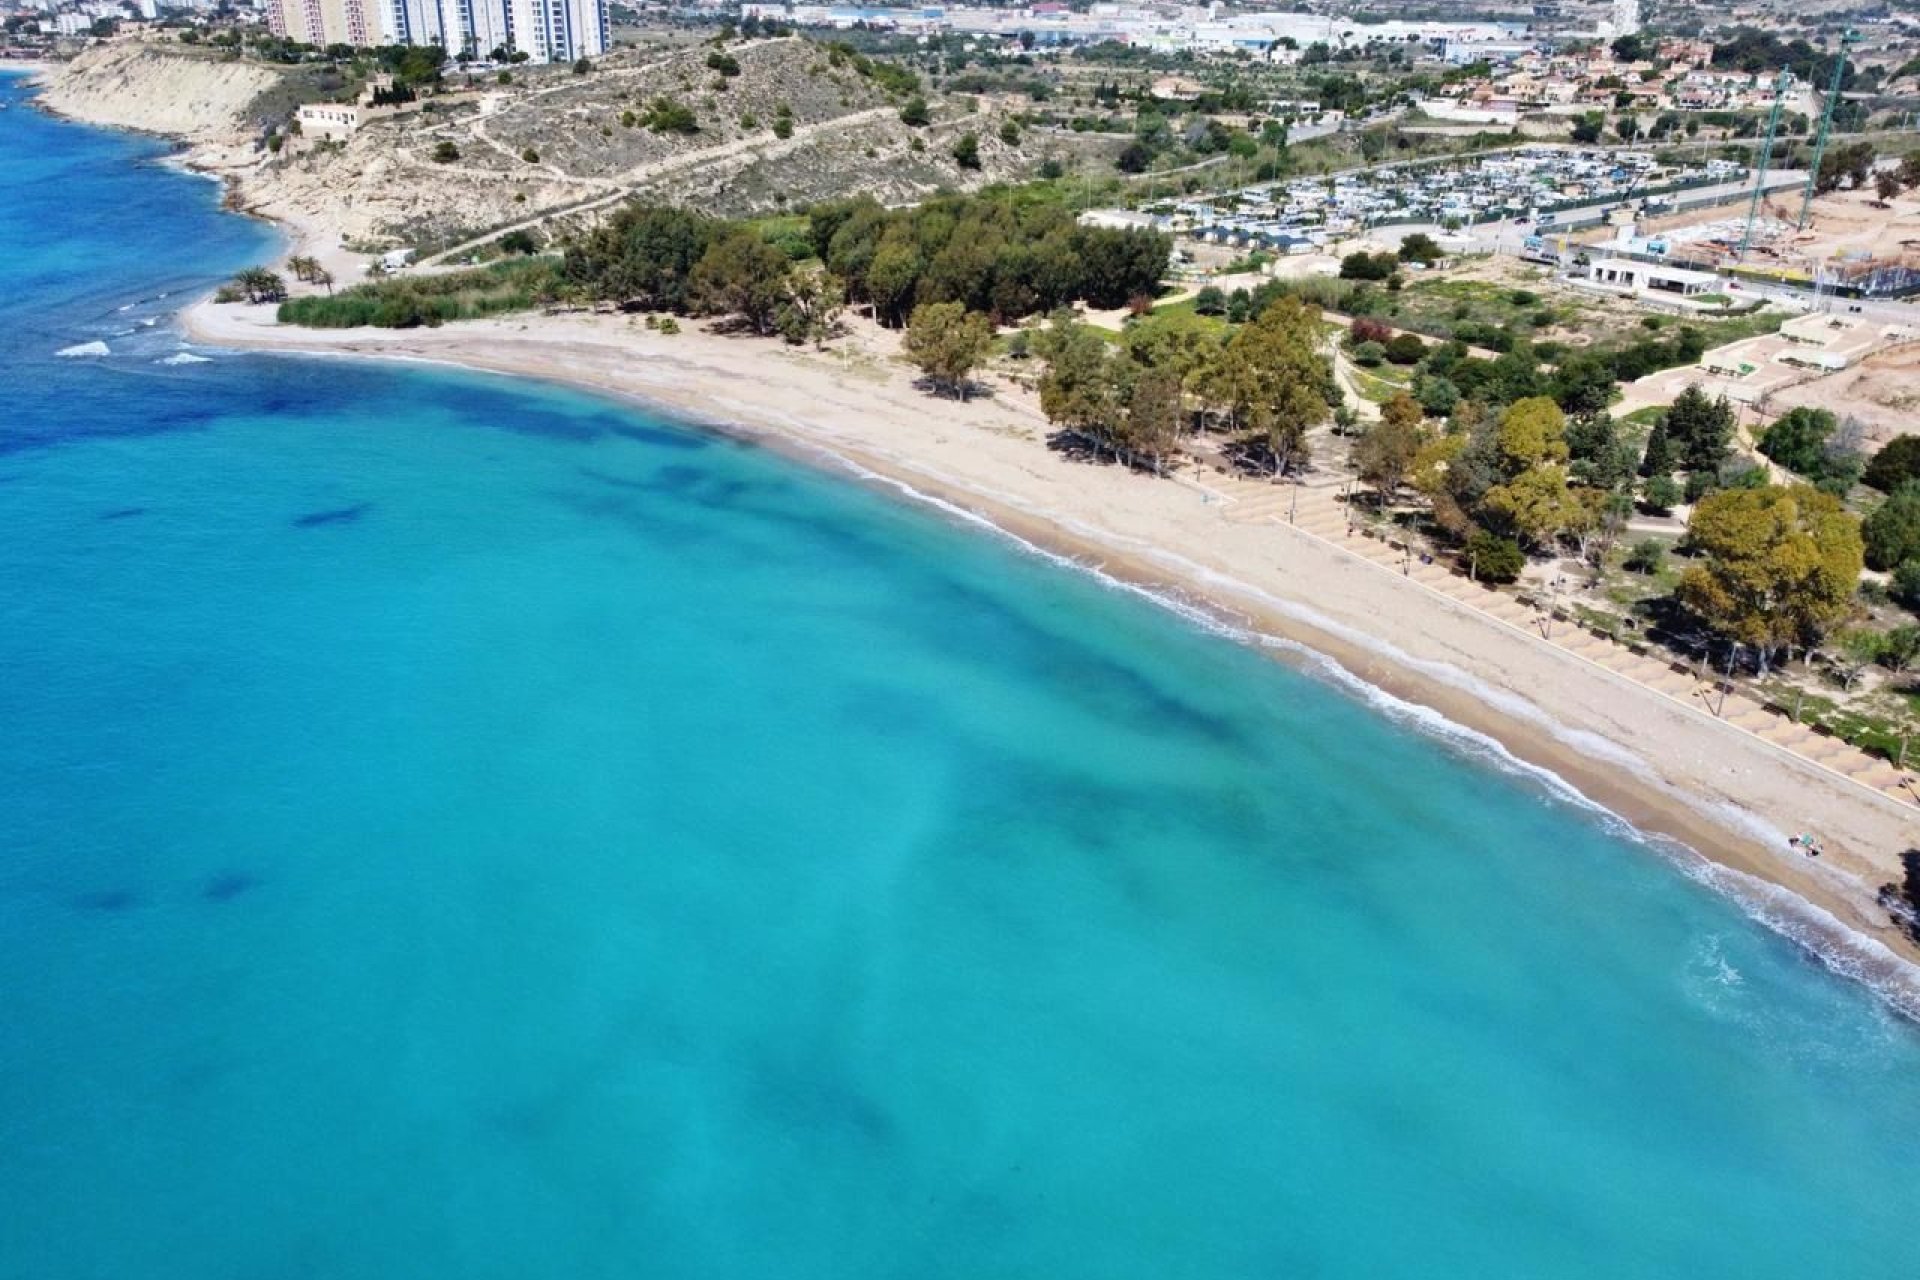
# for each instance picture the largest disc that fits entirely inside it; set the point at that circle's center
(544, 30)
(323, 22)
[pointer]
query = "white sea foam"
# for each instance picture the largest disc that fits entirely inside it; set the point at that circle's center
(82, 349)
(1819, 933)
(185, 357)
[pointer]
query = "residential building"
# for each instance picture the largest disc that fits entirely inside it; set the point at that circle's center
(544, 30)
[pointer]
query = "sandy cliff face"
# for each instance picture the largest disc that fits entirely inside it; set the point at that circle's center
(138, 86)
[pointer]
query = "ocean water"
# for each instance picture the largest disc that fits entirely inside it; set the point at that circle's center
(454, 827)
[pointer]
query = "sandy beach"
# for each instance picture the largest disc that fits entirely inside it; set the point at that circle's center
(1669, 769)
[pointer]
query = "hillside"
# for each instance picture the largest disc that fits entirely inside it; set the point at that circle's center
(759, 127)
(193, 94)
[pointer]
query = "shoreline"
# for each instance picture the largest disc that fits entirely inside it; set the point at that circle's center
(1731, 836)
(1714, 799)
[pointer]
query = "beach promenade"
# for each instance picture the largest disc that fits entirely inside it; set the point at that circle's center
(1319, 508)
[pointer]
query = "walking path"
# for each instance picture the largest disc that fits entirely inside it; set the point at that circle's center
(1318, 510)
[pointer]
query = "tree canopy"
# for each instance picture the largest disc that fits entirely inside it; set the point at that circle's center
(947, 342)
(1779, 565)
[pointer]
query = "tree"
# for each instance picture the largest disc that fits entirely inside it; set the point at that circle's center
(1532, 433)
(812, 309)
(1405, 349)
(444, 152)
(519, 241)
(1897, 462)
(257, 284)
(1797, 440)
(1906, 585)
(1491, 558)
(1892, 532)
(1368, 266)
(1385, 452)
(1701, 428)
(1154, 410)
(1583, 384)
(1420, 247)
(947, 342)
(1658, 459)
(915, 114)
(1601, 459)
(582, 66)
(740, 274)
(966, 152)
(1537, 505)
(1900, 648)
(1272, 381)
(1010, 133)
(1210, 301)
(1779, 566)
(641, 257)
(1856, 651)
(1886, 185)
(1662, 493)
(1436, 394)
(1078, 389)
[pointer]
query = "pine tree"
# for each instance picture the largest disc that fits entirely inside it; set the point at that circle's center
(1658, 459)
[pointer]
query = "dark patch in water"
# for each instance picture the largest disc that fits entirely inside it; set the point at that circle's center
(108, 901)
(823, 1105)
(339, 515)
(123, 513)
(227, 886)
(617, 482)
(665, 439)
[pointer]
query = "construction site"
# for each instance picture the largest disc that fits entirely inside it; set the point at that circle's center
(1851, 244)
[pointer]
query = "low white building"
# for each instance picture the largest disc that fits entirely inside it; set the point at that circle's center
(334, 121)
(1629, 276)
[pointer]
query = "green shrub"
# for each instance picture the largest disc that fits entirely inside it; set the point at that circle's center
(444, 152)
(513, 284)
(1406, 348)
(1647, 556)
(1494, 559)
(1662, 494)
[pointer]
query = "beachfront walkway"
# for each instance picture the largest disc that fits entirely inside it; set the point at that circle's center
(1316, 509)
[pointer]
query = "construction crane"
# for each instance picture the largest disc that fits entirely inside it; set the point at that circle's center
(1780, 87)
(1848, 39)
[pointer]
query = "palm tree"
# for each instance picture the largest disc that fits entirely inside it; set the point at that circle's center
(322, 276)
(261, 285)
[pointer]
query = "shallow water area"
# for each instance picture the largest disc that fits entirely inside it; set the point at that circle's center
(456, 826)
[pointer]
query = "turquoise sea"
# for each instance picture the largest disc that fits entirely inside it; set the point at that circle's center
(451, 827)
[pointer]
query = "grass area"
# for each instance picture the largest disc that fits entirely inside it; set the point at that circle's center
(791, 233)
(517, 284)
(1382, 383)
(1720, 331)
(1184, 314)
(1648, 417)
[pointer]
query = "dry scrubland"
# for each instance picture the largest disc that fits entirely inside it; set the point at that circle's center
(552, 146)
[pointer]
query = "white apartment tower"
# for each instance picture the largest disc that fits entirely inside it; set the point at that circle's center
(544, 30)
